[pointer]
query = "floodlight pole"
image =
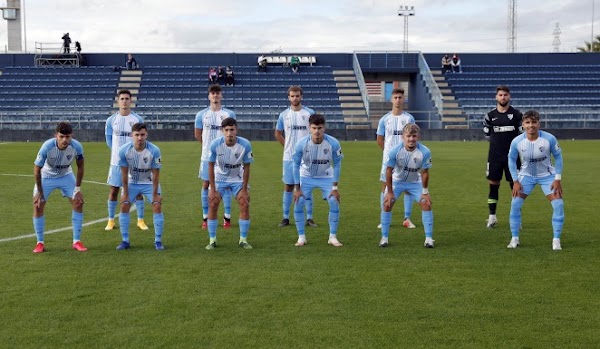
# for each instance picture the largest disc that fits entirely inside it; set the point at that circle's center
(406, 11)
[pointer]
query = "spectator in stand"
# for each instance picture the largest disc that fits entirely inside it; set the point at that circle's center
(229, 76)
(212, 75)
(221, 75)
(131, 63)
(66, 43)
(456, 67)
(295, 63)
(262, 63)
(78, 47)
(446, 64)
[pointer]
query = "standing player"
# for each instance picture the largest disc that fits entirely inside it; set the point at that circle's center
(500, 126)
(118, 132)
(229, 172)
(52, 170)
(407, 170)
(534, 148)
(389, 133)
(207, 126)
(317, 165)
(140, 164)
(294, 123)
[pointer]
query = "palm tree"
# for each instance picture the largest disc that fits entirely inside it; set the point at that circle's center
(589, 47)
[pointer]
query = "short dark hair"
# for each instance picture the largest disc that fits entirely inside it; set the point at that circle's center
(531, 114)
(502, 88)
(64, 128)
(316, 119)
(295, 88)
(215, 88)
(398, 90)
(124, 92)
(138, 127)
(228, 122)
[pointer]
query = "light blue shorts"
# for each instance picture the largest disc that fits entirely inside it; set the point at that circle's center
(144, 189)
(114, 176)
(414, 189)
(529, 183)
(288, 173)
(66, 184)
(203, 174)
(234, 187)
(307, 185)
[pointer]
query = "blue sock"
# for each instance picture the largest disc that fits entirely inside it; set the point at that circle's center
(308, 204)
(227, 203)
(124, 225)
(287, 203)
(515, 215)
(204, 197)
(139, 205)
(334, 215)
(212, 228)
(38, 225)
(428, 223)
(408, 203)
(386, 219)
(77, 220)
(244, 227)
(299, 215)
(112, 208)
(159, 223)
(558, 217)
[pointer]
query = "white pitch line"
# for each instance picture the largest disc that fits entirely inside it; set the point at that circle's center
(27, 236)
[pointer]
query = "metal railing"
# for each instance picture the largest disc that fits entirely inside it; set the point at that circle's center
(388, 59)
(361, 82)
(431, 84)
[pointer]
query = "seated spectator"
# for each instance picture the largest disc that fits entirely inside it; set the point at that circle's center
(295, 63)
(131, 63)
(456, 68)
(220, 75)
(212, 75)
(262, 63)
(446, 64)
(229, 76)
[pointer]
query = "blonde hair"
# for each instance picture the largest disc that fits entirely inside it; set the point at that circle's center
(411, 129)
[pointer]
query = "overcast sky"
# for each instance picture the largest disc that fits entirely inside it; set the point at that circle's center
(304, 25)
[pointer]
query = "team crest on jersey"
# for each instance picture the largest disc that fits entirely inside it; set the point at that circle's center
(69, 157)
(415, 160)
(131, 123)
(145, 159)
(237, 155)
(510, 116)
(541, 149)
(325, 151)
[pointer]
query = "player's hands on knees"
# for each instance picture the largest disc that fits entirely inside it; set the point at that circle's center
(335, 194)
(39, 200)
(297, 194)
(517, 187)
(244, 197)
(425, 200)
(156, 199)
(125, 199)
(557, 188)
(388, 200)
(213, 195)
(78, 198)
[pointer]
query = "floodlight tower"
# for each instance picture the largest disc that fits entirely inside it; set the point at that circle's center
(12, 14)
(406, 11)
(511, 27)
(556, 42)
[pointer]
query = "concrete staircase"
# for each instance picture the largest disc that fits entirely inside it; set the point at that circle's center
(353, 108)
(453, 116)
(129, 80)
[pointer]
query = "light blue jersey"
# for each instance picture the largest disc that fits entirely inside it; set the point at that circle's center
(56, 163)
(408, 164)
(229, 161)
(118, 132)
(140, 163)
(295, 125)
(318, 160)
(390, 127)
(210, 123)
(535, 156)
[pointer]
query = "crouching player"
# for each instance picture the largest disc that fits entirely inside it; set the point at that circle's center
(407, 172)
(52, 170)
(534, 148)
(140, 163)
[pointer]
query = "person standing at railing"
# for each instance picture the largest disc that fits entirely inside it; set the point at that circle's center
(389, 134)
(500, 127)
(66, 43)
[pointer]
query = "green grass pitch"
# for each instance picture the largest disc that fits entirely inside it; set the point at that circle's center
(468, 292)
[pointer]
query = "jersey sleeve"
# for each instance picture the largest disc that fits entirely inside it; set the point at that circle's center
(381, 127)
(487, 127)
(108, 132)
(513, 155)
(310, 111)
(297, 159)
(212, 157)
(198, 120)
(426, 159)
(557, 153)
(337, 156)
(390, 157)
(279, 126)
(42, 154)
(122, 157)
(248, 157)
(231, 113)
(411, 119)
(139, 118)
(78, 149)
(156, 158)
